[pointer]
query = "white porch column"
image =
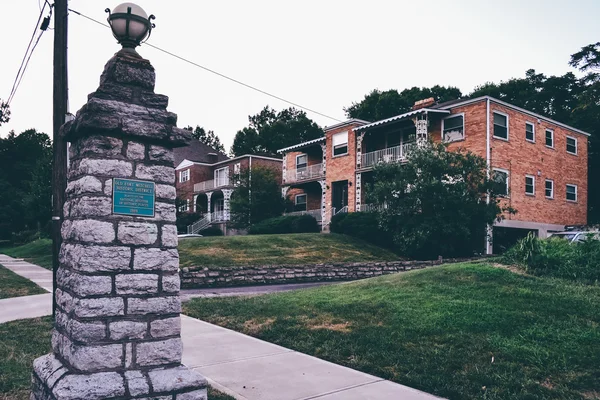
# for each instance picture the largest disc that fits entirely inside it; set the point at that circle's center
(284, 168)
(195, 200)
(359, 140)
(358, 191)
(208, 211)
(284, 190)
(324, 162)
(226, 209)
(421, 130)
(323, 208)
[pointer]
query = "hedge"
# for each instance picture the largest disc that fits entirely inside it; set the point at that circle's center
(285, 224)
(362, 225)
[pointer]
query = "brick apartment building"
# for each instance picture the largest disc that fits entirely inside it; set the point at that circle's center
(204, 181)
(543, 163)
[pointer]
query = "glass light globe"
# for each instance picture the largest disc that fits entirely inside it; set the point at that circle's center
(130, 24)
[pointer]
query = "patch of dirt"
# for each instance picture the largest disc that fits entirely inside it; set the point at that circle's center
(254, 327)
(512, 268)
(327, 322)
(591, 395)
(547, 384)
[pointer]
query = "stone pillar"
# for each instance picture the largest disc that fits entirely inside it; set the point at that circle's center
(117, 330)
(226, 208)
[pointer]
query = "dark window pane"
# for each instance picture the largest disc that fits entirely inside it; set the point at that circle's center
(341, 149)
(549, 189)
(549, 138)
(529, 188)
(500, 131)
(571, 145)
(454, 123)
(500, 119)
(571, 193)
(529, 135)
(500, 180)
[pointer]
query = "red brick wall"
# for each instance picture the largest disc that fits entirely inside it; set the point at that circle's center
(521, 158)
(198, 173)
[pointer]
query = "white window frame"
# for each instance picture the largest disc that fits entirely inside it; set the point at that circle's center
(300, 155)
(507, 180)
(333, 147)
(463, 128)
(533, 131)
(567, 145)
(545, 137)
(216, 181)
(552, 189)
(533, 179)
(184, 175)
(567, 193)
(507, 126)
(185, 207)
(237, 168)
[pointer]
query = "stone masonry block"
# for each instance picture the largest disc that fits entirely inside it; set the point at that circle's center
(137, 233)
(102, 385)
(169, 236)
(101, 307)
(175, 379)
(166, 192)
(84, 185)
(154, 305)
(49, 369)
(104, 146)
(137, 383)
(87, 358)
(165, 212)
(165, 327)
(156, 173)
(128, 355)
(152, 100)
(108, 187)
(88, 230)
(160, 153)
(136, 283)
(136, 151)
(127, 330)
(195, 395)
(88, 207)
(113, 168)
(83, 285)
(87, 332)
(95, 258)
(156, 260)
(171, 283)
(159, 353)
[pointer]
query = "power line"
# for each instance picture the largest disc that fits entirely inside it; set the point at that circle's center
(25, 67)
(15, 83)
(217, 73)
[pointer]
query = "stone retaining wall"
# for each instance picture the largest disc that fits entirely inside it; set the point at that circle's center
(274, 274)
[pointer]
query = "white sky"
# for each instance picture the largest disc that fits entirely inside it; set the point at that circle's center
(323, 54)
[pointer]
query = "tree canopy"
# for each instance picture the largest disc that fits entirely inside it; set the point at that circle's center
(209, 138)
(435, 204)
(379, 105)
(4, 112)
(270, 131)
(25, 182)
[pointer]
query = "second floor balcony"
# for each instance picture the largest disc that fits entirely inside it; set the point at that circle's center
(387, 155)
(212, 184)
(305, 173)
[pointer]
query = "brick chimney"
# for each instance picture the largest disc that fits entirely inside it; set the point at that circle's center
(423, 103)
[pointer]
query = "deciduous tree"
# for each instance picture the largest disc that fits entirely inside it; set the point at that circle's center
(209, 138)
(4, 112)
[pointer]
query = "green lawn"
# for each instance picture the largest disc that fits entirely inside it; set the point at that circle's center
(302, 248)
(13, 285)
(38, 252)
(23, 341)
(462, 331)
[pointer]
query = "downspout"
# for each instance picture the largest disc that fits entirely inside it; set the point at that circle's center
(249, 191)
(488, 247)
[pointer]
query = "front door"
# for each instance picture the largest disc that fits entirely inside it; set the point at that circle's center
(339, 195)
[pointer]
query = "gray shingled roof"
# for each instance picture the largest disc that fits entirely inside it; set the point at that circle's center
(198, 152)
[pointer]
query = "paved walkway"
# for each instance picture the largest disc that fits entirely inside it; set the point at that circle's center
(242, 366)
(38, 275)
(188, 294)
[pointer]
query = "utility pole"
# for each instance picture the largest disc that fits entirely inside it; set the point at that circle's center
(59, 145)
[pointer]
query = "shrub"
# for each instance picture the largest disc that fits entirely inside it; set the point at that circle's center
(557, 258)
(211, 231)
(186, 219)
(285, 224)
(362, 225)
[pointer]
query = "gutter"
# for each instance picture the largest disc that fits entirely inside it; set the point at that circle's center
(488, 156)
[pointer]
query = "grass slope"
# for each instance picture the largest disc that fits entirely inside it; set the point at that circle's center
(23, 341)
(13, 285)
(301, 248)
(461, 331)
(38, 252)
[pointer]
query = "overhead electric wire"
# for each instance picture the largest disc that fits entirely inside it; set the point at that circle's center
(217, 73)
(25, 67)
(19, 76)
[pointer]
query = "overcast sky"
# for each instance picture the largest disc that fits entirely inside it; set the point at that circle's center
(322, 54)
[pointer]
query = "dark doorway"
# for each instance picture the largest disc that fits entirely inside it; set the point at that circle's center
(339, 195)
(505, 238)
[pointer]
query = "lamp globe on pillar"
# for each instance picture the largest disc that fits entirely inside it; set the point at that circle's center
(130, 25)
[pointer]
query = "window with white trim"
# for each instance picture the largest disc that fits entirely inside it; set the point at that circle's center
(571, 145)
(340, 143)
(530, 185)
(453, 128)
(222, 177)
(549, 188)
(300, 202)
(500, 179)
(571, 192)
(500, 125)
(237, 168)
(301, 161)
(185, 206)
(550, 138)
(184, 175)
(529, 132)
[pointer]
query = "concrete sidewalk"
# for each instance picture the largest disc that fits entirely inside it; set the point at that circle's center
(38, 275)
(24, 307)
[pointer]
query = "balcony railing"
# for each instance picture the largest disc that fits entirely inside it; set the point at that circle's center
(304, 173)
(391, 154)
(212, 184)
(315, 213)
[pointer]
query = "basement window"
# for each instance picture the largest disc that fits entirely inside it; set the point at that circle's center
(340, 143)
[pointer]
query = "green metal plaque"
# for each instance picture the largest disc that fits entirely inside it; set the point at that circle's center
(132, 197)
